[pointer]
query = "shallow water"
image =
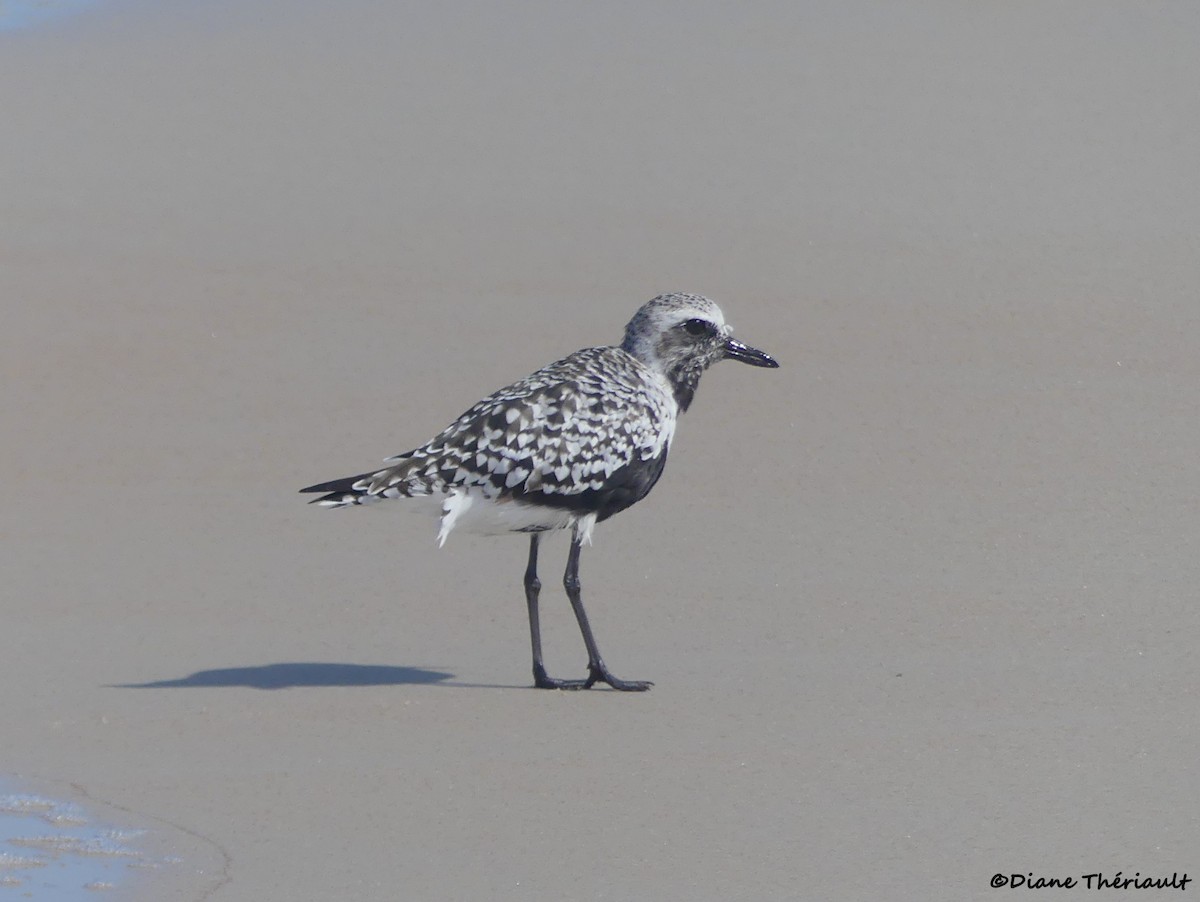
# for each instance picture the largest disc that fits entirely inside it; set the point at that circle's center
(53, 850)
(17, 14)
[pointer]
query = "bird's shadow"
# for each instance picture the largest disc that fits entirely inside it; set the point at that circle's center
(291, 675)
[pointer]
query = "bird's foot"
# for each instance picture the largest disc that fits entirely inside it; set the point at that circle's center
(541, 680)
(597, 673)
(545, 682)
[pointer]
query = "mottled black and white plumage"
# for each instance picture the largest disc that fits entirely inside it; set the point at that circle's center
(567, 447)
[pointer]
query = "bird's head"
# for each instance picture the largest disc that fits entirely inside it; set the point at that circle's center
(680, 336)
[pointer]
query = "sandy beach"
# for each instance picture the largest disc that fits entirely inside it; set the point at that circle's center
(919, 606)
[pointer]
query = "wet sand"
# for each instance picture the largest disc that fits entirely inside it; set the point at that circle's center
(919, 605)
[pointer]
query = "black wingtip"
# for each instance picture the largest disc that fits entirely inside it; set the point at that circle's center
(337, 486)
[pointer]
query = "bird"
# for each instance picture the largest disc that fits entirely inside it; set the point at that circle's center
(569, 446)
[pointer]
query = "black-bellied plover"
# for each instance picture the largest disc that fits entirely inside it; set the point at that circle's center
(568, 447)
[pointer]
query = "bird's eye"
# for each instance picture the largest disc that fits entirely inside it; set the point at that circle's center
(698, 327)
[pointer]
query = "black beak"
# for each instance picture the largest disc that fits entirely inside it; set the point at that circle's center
(735, 350)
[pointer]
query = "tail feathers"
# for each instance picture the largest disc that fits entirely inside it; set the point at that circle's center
(343, 492)
(367, 488)
(337, 485)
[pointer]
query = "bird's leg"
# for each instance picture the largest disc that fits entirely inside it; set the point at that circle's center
(532, 586)
(597, 671)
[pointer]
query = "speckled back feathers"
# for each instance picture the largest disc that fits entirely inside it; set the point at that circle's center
(584, 437)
